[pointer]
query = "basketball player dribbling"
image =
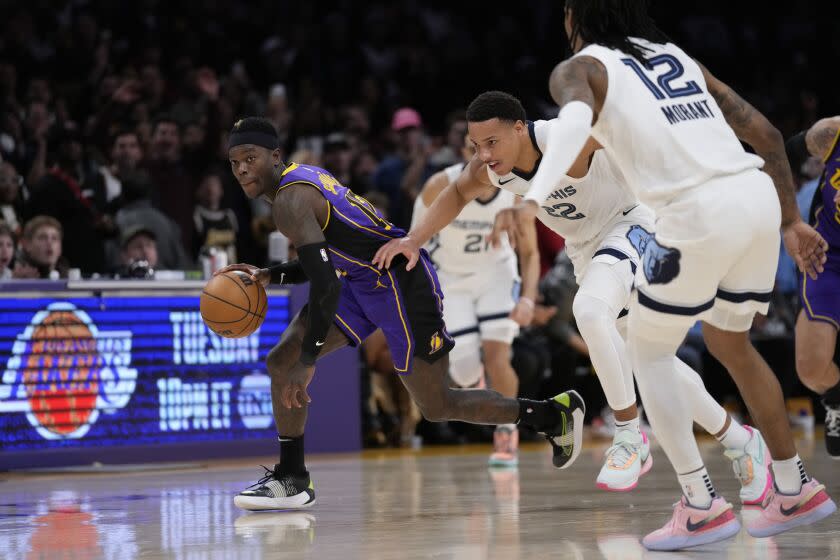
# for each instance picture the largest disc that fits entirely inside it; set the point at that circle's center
(673, 129)
(819, 319)
(593, 211)
(486, 302)
(336, 233)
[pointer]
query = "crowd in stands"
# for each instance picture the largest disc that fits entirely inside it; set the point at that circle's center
(114, 121)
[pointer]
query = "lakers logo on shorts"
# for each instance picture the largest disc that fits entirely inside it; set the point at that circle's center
(436, 342)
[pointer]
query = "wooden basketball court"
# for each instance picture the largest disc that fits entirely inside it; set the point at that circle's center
(440, 503)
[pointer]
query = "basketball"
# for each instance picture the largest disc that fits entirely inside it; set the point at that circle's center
(232, 305)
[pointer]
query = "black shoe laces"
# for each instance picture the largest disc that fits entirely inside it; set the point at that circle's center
(268, 475)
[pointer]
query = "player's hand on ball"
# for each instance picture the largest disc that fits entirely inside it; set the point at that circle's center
(405, 246)
(293, 392)
(261, 275)
(806, 247)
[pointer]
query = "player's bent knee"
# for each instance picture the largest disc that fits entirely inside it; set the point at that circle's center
(591, 314)
(280, 358)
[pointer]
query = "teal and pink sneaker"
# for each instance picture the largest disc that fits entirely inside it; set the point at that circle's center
(752, 467)
(783, 512)
(693, 526)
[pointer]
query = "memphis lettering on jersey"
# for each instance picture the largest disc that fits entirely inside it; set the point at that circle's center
(693, 110)
(560, 194)
(194, 344)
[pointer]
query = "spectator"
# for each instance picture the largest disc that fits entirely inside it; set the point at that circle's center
(71, 193)
(138, 251)
(7, 250)
(40, 251)
(401, 175)
(136, 210)
(173, 187)
(451, 152)
(214, 226)
(11, 197)
(337, 158)
(126, 155)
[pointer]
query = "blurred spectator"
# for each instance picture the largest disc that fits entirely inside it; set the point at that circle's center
(40, 250)
(173, 187)
(136, 210)
(71, 193)
(401, 175)
(337, 158)
(214, 226)
(125, 155)
(452, 150)
(139, 255)
(11, 197)
(7, 250)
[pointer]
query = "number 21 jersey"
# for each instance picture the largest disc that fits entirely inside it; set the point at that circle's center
(577, 209)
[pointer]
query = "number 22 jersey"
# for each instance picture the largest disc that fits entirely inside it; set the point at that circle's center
(577, 209)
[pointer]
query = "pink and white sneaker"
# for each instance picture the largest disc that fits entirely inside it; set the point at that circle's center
(752, 467)
(693, 526)
(785, 511)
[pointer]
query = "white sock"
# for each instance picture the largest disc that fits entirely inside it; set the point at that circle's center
(632, 425)
(735, 437)
(697, 487)
(790, 475)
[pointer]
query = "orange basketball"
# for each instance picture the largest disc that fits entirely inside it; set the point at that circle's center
(233, 305)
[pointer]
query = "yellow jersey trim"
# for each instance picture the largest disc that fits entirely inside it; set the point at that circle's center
(405, 327)
(337, 316)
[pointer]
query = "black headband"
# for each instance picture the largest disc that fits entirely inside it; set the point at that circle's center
(255, 137)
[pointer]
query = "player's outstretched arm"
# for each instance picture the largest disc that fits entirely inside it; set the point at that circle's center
(578, 86)
(803, 243)
(445, 208)
(295, 212)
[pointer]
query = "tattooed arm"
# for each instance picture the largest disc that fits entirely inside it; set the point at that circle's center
(820, 138)
(753, 128)
(803, 243)
(579, 86)
(299, 211)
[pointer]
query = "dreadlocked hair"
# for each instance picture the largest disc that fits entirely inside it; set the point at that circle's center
(611, 23)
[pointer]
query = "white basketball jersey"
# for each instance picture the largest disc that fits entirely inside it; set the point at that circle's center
(661, 124)
(462, 246)
(577, 209)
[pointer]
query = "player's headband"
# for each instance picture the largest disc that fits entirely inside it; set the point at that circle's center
(255, 137)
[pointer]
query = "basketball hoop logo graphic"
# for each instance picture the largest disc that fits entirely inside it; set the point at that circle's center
(63, 371)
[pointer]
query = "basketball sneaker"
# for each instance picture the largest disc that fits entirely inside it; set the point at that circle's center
(566, 438)
(505, 446)
(832, 430)
(751, 466)
(628, 458)
(277, 491)
(693, 526)
(785, 511)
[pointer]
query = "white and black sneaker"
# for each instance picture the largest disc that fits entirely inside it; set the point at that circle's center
(832, 430)
(277, 491)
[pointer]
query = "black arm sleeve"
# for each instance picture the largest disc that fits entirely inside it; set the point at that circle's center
(288, 273)
(324, 290)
